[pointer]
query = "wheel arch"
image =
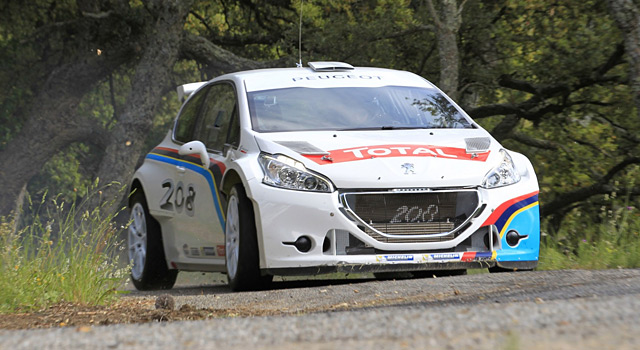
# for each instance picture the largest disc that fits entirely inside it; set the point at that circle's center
(136, 186)
(230, 179)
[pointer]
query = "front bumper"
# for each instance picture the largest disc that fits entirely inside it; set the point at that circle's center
(339, 244)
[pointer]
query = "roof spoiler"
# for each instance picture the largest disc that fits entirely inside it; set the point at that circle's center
(186, 90)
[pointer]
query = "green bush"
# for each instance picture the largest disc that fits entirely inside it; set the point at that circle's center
(69, 253)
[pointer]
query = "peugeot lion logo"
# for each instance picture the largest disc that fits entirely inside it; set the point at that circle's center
(408, 168)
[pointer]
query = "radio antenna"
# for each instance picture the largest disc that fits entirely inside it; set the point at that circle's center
(299, 64)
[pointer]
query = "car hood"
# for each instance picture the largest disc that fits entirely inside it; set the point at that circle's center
(431, 158)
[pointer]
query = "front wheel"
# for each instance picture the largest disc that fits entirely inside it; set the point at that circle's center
(149, 269)
(242, 257)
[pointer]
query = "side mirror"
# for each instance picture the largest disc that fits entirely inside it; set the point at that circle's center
(195, 147)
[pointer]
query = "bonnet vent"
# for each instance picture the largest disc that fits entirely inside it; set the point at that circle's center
(302, 147)
(477, 144)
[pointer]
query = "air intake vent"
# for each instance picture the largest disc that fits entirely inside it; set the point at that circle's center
(303, 147)
(477, 144)
(330, 66)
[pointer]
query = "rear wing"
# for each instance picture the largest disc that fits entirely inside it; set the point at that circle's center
(184, 91)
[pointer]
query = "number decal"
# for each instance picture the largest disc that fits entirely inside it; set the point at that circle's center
(190, 200)
(165, 202)
(432, 208)
(179, 201)
(401, 211)
(415, 218)
(415, 214)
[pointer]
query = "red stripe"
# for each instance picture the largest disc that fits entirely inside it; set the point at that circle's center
(504, 206)
(468, 256)
(219, 164)
(167, 149)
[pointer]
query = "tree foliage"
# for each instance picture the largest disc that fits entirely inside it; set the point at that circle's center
(89, 83)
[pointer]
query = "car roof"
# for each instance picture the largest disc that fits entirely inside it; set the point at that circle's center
(279, 78)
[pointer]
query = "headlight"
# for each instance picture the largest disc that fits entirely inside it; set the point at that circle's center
(502, 175)
(284, 172)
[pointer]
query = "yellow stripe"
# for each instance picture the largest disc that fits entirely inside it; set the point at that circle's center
(178, 159)
(504, 228)
(494, 254)
(213, 179)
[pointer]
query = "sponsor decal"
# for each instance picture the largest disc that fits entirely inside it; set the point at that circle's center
(478, 256)
(484, 256)
(395, 257)
(220, 250)
(337, 77)
(388, 151)
(445, 256)
(209, 251)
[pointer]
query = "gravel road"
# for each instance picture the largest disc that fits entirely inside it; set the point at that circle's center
(527, 310)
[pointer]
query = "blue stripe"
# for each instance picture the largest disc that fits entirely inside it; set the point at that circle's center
(512, 209)
(200, 170)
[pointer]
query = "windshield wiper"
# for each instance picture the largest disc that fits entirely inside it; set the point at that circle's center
(386, 127)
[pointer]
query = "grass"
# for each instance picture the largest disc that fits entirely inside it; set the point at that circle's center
(614, 243)
(69, 253)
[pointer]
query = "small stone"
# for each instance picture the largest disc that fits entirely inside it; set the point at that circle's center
(165, 302)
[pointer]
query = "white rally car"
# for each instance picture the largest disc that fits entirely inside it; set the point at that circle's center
(328, 168)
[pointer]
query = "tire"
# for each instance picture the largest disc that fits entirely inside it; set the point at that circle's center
(149, 269)
(241, 245)
(438, 273)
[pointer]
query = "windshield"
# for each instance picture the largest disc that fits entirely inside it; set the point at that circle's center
(353, 108)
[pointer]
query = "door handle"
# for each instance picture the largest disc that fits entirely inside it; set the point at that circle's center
(181, 169)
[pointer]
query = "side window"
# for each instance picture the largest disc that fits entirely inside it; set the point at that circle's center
(186, 123)
(219, 124)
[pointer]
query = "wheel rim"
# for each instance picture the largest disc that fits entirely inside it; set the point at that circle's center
(137, 241)
(232, 237)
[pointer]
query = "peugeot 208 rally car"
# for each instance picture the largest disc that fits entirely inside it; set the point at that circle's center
(327, 168)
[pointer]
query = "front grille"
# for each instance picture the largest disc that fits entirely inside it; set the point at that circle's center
(403, 217)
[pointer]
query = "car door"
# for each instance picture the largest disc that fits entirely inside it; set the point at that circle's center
(204, 207)
(176, 195)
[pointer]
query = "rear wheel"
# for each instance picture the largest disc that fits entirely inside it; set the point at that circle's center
(149, 269)
(242, 257)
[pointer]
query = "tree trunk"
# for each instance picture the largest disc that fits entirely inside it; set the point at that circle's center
(51, 124)
(152, 75)
(627, 17)
(448, 20)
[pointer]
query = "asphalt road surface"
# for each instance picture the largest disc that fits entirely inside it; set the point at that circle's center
(524, 310)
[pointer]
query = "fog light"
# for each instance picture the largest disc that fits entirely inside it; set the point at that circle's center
(303, 244)
(513, 238)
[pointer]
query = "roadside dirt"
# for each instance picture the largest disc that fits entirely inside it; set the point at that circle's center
(124, 311)
(135, 310)
(200, 301)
